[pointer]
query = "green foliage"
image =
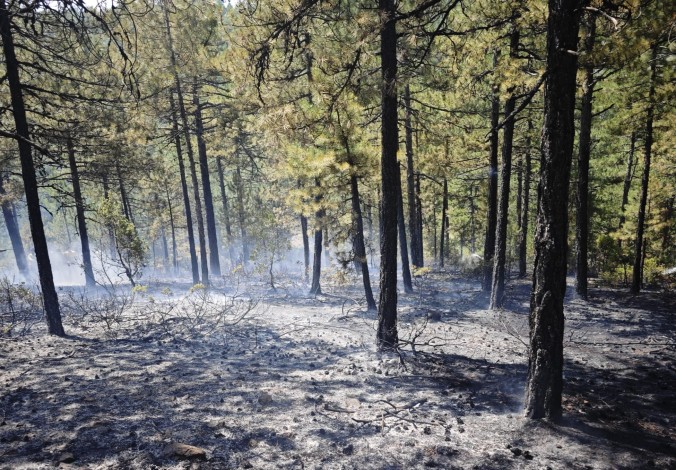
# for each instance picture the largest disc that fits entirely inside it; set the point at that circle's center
(130, 248)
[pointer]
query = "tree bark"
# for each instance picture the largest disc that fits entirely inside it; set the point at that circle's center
(174, 254)
(492, 212)
(387, 336)
(444, 224)
(584, 155)
(500, 252)
(523, 227)
(403, 247)
(188, 146)
(315, 288)
(49, 296)
(184, 188)
(214, 261)
(637, 273)
(359, 245)
(545, 360)
(410, 180)
(9, 215)
(90, 280)
(126, 207)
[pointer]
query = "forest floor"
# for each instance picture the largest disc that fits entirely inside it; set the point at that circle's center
(278, 379)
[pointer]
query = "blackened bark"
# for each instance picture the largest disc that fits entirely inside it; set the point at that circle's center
(184, 188)
(545, 364)
(584, 155)
(359, 245)
(403, 247)
(50, 299)
(523, 227)
(419, 221)
(637, 273)
(387, 337)
(90, 281)
(165, 249)
(9, 215)
(492, 209)
(627, 179)
(444, 224)
(188, 146)
(306, 246)
(410, 179)
(174, 254)
(315, 288)
(214, 261)
(500, 252)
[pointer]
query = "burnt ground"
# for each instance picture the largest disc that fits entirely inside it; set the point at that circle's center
(277, 379)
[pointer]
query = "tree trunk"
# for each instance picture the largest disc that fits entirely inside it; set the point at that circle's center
(359, 245)
(387, 336)
(126, 207)
(584, 155)
(500, 252)
(316, 289)
(9, 215)
(637, 274)
(111, 233)
(239, 187)
(214, 261)
(523, 228)
(444, 227)
(174, 254)
(188, 145)
(50, 299)
(403, 248)
(410, 179)
(184, 188)
(627, 180)
(545, 360)
(419, 220)
(90, 281)
(226, 211)
(492, 214)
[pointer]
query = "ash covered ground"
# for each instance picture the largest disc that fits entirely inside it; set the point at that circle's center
(172, 378)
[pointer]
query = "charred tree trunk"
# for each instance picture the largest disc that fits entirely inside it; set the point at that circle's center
(419, 220)
(90, 281)
(359, 245)
(214, 261)
(315, 288)
(410, 180)
(306, 246)
(174, 254)
(184, 188)
(500, 252)
(584, 154)
(492, 214)
(637, 273)
(50, 299)
(403, 247)
(545, 360)
(523, 228)
(188, 146)
(387, 337)
(9, 215)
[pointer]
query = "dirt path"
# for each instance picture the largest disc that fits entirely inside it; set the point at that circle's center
(297, 383)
